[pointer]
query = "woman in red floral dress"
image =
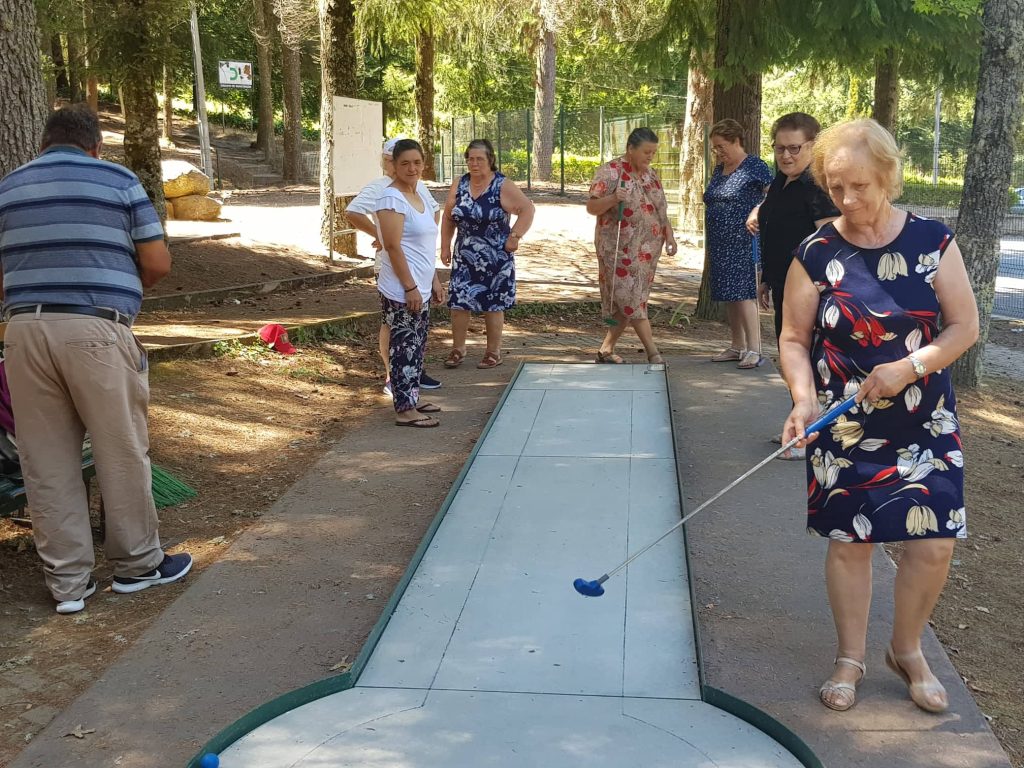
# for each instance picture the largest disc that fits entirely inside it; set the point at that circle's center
(626, 274)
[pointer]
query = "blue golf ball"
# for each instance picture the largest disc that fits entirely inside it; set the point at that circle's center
(209, 760)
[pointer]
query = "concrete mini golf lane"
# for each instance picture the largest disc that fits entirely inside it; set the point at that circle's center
(491, 658)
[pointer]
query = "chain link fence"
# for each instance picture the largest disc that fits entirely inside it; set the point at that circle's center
(584, 139)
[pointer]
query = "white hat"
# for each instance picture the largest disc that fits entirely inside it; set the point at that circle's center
(389, 147)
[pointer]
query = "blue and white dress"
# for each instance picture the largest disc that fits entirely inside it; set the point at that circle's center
(732, 253)
(483, 272)
(892, 470)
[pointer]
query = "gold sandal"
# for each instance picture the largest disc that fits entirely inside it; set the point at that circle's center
(919, 692)
(728, 355)
(844, 694)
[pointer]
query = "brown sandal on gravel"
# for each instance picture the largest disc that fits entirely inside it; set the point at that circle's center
(425, 423)
(490, 360)
(611, 358)
(428, 408)
(454, 359)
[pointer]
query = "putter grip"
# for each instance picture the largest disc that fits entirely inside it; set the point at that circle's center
(829, 416)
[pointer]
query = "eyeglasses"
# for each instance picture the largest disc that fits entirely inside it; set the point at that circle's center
(793, 149)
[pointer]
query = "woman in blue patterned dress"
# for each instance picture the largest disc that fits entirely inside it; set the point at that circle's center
(483, 278)
(863, 299)
(738, 184)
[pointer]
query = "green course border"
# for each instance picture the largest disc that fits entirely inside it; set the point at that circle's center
(317, 690)
(716, 697)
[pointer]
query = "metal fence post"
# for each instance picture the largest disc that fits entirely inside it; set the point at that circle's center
(474, 126)
(938, 133)
(561, 146)
(600, 135)
(452, 142)
(529, 150)
(440, 162)
(499, 140)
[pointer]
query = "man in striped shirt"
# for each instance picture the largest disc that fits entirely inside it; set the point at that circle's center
(79, 240)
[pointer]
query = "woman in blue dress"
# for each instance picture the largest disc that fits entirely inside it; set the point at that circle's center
(738, 184)
(862, 304)
(479, 207)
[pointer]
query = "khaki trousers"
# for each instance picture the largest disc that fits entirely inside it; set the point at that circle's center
(69, 374)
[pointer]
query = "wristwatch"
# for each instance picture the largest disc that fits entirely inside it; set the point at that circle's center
(919, 369)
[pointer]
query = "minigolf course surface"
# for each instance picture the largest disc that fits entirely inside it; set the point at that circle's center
(490, 657)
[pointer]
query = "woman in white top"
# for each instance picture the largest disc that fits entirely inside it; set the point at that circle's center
(408, 227)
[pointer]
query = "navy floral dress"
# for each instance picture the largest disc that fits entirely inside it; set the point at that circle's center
(732, 253)
(892, 471)
(483, 272)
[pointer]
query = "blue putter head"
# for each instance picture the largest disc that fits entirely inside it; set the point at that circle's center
(588, 588)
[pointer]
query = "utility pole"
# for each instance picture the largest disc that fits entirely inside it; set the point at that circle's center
(204, 125)
(938, 132)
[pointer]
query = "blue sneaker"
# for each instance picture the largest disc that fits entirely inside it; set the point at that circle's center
(173, 567)
(387, 388)
(427, 382)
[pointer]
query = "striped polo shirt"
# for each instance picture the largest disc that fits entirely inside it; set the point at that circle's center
(68, 228)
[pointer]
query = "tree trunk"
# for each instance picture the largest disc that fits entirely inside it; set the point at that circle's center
(60, 69)
(49, 70)
(338, 78)
(142, 135)
(292, 78)
(24, 96)
(740, 100)
(691, 155)
(544, 97)
(997, 115)
(91, 57)
(264, 69)
(425, 97)
(74, 66)
(887, 89)
(168, 94)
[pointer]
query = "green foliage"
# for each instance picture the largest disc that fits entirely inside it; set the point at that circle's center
(253, 351)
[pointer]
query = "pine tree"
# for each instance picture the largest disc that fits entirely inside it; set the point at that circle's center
(21, 75)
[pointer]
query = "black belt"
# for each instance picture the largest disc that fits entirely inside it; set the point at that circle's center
(74, 309)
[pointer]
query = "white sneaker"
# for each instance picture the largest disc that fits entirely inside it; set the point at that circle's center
(74, 606)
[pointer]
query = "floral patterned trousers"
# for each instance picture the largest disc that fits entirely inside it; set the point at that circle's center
(408, 343)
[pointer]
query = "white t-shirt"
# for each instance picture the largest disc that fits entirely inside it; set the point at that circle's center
(419, 244)
(366, 203)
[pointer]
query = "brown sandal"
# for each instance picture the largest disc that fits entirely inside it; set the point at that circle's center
(490, 360)
(425, 423)
(610, 357)
(428, 408)
(455, 358)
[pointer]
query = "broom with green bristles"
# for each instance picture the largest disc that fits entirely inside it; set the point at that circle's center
(168, 490)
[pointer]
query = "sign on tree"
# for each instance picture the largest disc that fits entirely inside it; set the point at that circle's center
(235, 74)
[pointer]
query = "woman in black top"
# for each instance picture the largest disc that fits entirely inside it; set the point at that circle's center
(793, 207)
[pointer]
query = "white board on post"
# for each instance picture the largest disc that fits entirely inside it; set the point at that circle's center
(358, 127)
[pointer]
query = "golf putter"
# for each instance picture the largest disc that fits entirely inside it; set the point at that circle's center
(594, 588)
